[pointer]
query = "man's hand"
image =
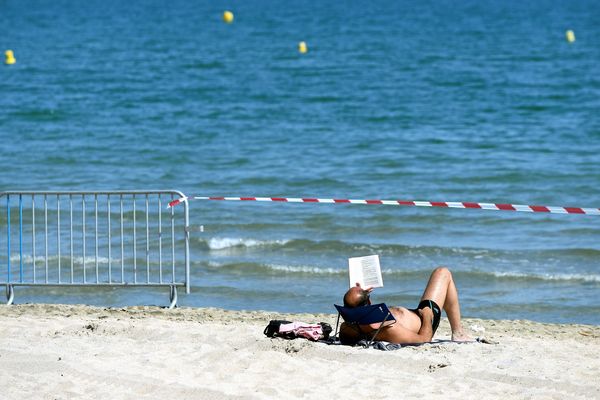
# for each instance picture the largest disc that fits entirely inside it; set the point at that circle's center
(368, 288)
(426, 331)
(426, 315)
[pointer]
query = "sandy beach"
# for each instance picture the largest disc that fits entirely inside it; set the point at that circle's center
(73, 351)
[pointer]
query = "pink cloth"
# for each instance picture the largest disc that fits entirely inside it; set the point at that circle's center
(309, 331)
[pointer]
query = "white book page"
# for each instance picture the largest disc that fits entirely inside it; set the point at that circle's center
(366, 271)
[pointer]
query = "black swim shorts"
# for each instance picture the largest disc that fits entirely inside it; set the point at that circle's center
(437, 312)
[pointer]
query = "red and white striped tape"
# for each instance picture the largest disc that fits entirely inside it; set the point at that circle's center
(446, 204)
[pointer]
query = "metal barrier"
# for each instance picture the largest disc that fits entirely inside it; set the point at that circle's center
(98, 238)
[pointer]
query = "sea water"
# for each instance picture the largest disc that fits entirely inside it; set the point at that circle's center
(478, 101)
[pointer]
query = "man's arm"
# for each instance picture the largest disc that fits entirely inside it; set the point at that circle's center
(399, 334)
(426, 331)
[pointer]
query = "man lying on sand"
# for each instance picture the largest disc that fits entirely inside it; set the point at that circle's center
(412, 325)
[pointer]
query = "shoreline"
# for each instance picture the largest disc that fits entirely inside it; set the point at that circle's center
(72, 351)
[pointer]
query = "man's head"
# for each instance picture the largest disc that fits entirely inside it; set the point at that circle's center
(356, 297)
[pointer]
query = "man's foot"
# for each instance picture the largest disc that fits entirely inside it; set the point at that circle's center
(461, 336)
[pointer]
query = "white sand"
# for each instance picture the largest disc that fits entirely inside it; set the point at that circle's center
(70, 352)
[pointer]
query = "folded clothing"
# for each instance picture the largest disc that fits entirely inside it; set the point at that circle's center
(293, 330)
(301, 329)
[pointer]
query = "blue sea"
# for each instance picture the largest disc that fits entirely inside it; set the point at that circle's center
(474, 101)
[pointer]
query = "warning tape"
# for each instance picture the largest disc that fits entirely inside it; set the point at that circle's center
(445, 204)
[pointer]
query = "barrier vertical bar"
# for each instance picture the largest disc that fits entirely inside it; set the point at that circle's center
(83, 234)
(109, 240)
(122, 244)
(58, 233)
(160, 277)
(46, 233)
(8, 234)
(134, 245)
(71, 232)
(187, 248)
(33, 235)
(173, 242)
(147, 244)
(96, 233)
(21, 238)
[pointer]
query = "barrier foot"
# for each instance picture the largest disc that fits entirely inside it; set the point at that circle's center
(10, 294)
(173, 297)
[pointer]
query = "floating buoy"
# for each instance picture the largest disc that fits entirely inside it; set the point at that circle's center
(10, 57)
(302, 48)
(570, 36)
(228, 17)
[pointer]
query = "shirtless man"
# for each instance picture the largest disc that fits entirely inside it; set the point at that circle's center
(411, 326)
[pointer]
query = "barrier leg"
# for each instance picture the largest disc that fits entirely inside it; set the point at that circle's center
(173, 297)
(10, 294)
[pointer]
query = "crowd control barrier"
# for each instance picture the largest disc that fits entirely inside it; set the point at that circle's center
(93, 239)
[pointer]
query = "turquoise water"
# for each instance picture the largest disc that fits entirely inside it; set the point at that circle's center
(477, 101)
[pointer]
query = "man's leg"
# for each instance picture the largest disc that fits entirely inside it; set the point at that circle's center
(442, 290)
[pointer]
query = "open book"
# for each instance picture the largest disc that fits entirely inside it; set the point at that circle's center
(366, 271)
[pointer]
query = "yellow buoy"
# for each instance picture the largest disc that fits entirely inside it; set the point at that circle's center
(302, 48)
(570, 36)
(228, 17)
(10, 57)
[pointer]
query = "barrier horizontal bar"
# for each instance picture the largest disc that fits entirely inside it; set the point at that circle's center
(92, 285)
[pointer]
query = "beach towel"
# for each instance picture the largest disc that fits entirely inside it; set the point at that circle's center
(387, 346)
